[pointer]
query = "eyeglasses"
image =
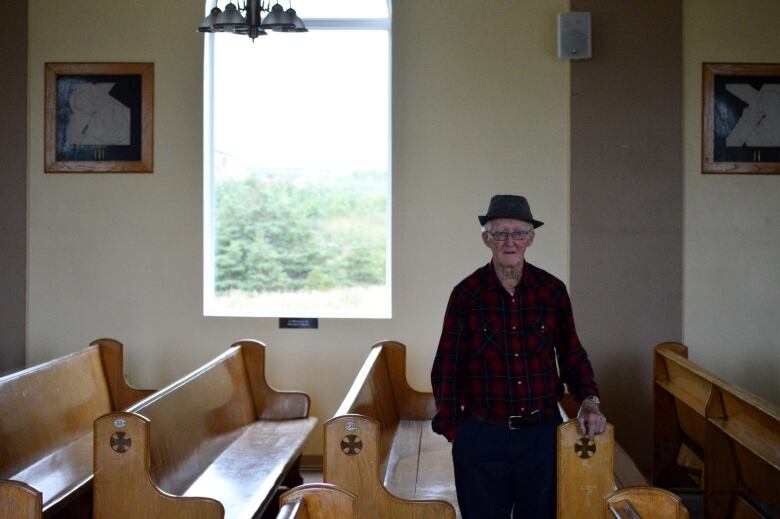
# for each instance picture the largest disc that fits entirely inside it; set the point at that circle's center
(503, 235)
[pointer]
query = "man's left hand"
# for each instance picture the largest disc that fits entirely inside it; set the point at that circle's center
(591, 419)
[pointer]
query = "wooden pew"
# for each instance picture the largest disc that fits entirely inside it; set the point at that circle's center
(724, 438)
(381, 448)
(681, 391)
(317, 501)
(218, 441)
(46, 416)
(587, 486)
(624, 471)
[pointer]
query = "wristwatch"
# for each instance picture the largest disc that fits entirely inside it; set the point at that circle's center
(594, 399)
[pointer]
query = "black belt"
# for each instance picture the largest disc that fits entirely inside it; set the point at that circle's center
(545, 416)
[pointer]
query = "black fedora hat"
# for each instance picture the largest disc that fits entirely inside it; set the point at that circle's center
(514, 207)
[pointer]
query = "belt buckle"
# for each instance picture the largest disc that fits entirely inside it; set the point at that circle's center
(509, 422)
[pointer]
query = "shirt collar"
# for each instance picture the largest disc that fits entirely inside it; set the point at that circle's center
(529, 280)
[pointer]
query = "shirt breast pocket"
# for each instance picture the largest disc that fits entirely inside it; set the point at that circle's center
(539, 340)
(489, 339)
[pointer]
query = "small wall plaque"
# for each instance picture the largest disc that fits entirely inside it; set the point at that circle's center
(299, 322)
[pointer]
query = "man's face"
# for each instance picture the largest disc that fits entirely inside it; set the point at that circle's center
(511, 251)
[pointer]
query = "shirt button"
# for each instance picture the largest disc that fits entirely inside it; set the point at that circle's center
(522, 409)
(517, 354)
(519, 381)
(514, 327)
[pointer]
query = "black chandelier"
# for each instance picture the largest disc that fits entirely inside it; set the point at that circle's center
(231, 19)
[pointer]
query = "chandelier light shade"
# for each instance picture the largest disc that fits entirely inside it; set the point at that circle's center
(252, 23)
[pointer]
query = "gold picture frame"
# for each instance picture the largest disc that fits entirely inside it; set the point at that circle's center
(99, 117)
(741, 118)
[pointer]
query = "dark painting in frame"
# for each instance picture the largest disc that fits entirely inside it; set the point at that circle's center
(99, 117)
(741, 118)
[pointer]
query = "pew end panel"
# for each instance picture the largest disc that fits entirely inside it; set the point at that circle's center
(270, 404)
(123, 395)
(352, 461)
(625, 471)
(19, 501)
(644, 503)
(317, 501)
(585, 471)
(121, 479)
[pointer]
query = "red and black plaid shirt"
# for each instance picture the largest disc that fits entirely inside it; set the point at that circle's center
(497, 352)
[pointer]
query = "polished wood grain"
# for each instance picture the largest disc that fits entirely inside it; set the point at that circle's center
(318, 501)
(122, 486)
(584, 482)
(681, 392)
(587, 477)
(624, 470)
(742, 455)
(401, 469)
(719, 436)
(202, 440)
(270, 403)
(46, 428)
(20, 501)
(122, 394)
(360, 473)
(644, 503)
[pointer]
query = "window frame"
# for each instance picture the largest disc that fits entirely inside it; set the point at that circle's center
(209, 191)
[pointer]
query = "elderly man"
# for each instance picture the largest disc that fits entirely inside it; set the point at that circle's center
(508, 332)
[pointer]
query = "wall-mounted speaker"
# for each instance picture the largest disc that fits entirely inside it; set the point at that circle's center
(574, 35)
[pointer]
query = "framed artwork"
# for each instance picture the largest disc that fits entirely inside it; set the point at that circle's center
(99, 117)
(741, 118)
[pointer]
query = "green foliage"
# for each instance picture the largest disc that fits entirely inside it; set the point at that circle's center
(282, 233)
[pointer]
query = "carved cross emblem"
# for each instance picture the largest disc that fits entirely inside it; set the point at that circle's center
(120, 442)
(585, 448)
(351, 445)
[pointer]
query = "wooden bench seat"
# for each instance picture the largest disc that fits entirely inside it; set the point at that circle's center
(380, 446)
(46, 428)
(218, 441)
(714, 436)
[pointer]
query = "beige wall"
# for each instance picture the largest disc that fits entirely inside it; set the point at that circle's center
(480, 105)
(732, 222)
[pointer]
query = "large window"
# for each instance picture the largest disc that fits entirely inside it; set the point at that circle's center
(297, 176)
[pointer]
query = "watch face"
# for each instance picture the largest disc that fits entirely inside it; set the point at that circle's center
(594, 399)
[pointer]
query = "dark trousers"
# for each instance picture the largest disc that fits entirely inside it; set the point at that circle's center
(502, 473)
